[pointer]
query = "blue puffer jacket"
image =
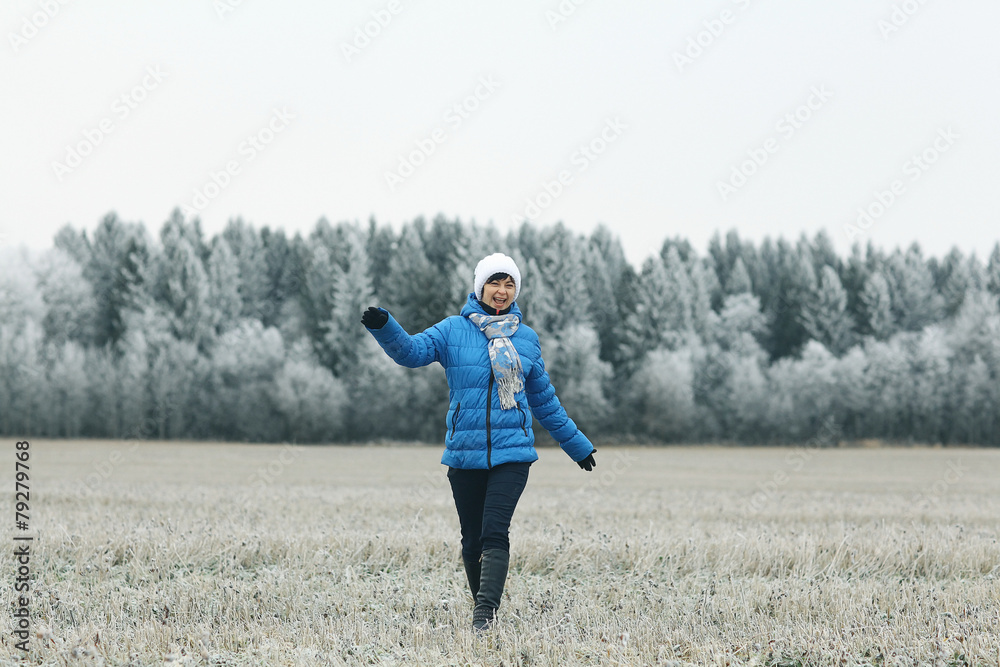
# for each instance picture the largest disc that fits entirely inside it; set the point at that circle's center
(480, 433)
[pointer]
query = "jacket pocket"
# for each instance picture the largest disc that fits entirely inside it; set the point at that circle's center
(523, 427)
(454, 419)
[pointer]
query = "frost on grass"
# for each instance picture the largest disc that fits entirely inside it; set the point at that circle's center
(350, 555)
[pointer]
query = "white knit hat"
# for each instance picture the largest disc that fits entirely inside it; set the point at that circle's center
(495, 263)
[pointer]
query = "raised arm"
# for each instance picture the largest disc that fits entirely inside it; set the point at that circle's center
(411, 351)
(552, 416)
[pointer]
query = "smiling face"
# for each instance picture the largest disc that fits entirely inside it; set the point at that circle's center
(498, 292)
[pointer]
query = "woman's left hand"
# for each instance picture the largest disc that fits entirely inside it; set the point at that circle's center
(588, 463)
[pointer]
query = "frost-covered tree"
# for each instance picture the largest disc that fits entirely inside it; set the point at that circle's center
(662, 315)
(248, 249)
(311, 400)
(791, 285)
(930, 370)
(23, 400)
(605, 263)
(133, 384)
(224, 301)
(915, 302)
(825, 316)
(580, 376)
(662, 395)
(738, 281)
(703, 283)
(993, 271)
(802, 391)
(352, 294)
(746, 404)
(878, 306)
(20, 299)
(956, 278)
(67, 381)
(118, 271)
(974, 417)
(241, 382)
(888, 383)
(70, 307)
(182, 288)
(406, 288)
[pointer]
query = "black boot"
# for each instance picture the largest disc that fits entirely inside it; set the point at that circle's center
(493, 577)
(473, 570)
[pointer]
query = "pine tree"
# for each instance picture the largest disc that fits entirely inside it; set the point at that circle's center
(224, 301)
(564, 271)
(993, 271)
(282, 278)
(645, 326)
(915, 302)
(71, 309)
(703, 283)
(248, 248)
(73, 243)
(182, 288)
(605, 263)
(352, 294)
(739, 279)
(380, 245)
(878, 306)
(116, 270)
(406, 288)
(853, 278)
(793, 283)
(953, 282)
(321, 274)
(825, 316)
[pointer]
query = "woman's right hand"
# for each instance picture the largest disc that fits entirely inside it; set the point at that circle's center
(374, 318)
(588, 463)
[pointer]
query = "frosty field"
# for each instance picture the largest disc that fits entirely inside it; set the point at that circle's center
(231, 554)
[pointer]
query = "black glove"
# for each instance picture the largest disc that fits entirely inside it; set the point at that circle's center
(374, 318)
(588, 463)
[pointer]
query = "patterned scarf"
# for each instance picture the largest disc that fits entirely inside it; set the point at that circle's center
(503, 357)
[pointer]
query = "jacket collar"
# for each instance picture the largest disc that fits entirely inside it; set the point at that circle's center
(472, 305)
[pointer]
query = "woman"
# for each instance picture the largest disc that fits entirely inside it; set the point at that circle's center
(495, 374)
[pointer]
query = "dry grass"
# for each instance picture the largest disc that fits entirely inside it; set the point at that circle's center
(181, 553)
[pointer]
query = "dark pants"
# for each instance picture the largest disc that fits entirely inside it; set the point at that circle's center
(485, 500)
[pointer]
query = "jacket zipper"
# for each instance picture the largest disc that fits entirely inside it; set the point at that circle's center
(454, 418)
(489, 400)
(521, 410)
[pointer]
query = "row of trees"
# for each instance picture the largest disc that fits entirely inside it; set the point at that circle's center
(252, 335)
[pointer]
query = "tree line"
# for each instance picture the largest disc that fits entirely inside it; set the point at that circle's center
(253, 335)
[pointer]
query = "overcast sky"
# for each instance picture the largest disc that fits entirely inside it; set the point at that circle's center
(773, 117)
